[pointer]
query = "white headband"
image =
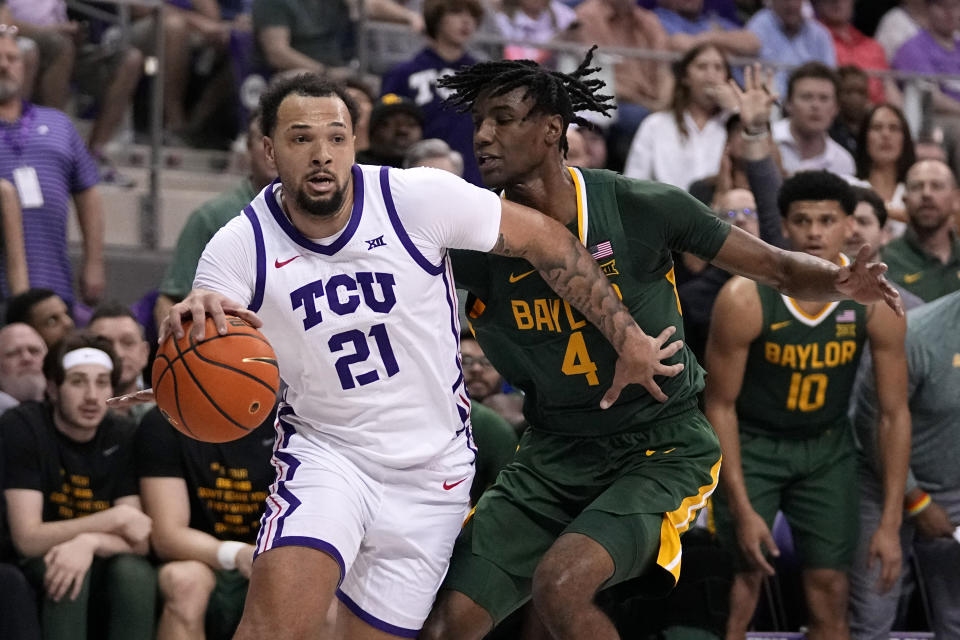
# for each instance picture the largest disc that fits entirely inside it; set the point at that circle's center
(87, 355)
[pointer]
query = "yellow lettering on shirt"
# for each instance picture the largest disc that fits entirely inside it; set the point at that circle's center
(521, 313)
(801, 357)
(542, 313)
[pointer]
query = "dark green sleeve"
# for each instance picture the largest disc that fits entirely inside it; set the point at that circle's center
(178, 279)
(496, 445)
(658, 215)
(470, 271)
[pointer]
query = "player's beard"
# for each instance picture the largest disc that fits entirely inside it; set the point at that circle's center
(321, 207)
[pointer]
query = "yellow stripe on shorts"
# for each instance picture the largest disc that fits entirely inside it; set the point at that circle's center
(677, 521)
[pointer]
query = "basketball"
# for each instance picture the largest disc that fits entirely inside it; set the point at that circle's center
(216, 389)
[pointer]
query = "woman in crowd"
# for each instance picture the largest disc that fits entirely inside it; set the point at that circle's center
(686, 142)
(884, 155)
(526, 21)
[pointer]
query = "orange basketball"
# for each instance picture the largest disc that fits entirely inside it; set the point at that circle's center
(220, 388)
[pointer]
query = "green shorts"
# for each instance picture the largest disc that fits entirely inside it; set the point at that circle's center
(225, 605)
(813, 481)
(633, 493)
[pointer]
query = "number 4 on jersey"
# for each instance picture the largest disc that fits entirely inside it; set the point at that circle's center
(576, 360)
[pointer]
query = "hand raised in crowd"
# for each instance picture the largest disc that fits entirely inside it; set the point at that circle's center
(885, 549)
(641, 361)
(755, 99)
(753, 535)
(863, 282)
(66, 567)
(933, 522)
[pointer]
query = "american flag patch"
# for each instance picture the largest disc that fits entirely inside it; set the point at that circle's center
(601, 251)
(847, 316)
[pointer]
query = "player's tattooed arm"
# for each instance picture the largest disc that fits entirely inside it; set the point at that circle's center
(572, 272)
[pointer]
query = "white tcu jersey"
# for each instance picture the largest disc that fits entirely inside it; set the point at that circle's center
(365, 323)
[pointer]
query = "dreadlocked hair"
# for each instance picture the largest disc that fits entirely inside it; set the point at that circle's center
(563, 94)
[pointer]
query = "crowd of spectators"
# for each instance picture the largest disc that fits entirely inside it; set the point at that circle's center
(172, 521)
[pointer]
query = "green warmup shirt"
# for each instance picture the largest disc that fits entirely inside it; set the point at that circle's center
(800, 371)
(919, 272)
(319, 29)
(531, 335)
(196, 233)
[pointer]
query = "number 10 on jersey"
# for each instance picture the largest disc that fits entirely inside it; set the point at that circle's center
(361, 346)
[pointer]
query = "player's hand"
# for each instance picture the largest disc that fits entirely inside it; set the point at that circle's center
(66, 567)
(199, 304)
(132, 525)
(245, 560)
(641, 360)
(753, 535)
(933, 522)
(885, 549)
(863, 282)
(755, 99)
(140, 397)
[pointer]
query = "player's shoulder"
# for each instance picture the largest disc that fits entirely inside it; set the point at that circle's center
(739, 294)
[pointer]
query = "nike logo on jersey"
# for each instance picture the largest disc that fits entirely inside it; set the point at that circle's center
(447, 486)
(910, 278)
(776, 326)
(279, 264)
(518, 278)
(112, 450)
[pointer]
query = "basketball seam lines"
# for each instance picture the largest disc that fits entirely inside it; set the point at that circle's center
(229, 368)
(199, 386)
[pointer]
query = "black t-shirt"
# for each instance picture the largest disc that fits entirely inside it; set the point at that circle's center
(6, 544)
(76, 478)
(227, 483)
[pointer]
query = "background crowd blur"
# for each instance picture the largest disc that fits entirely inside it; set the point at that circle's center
(129, 135)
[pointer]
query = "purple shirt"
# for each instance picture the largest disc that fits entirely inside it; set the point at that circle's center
(45, 140)
(923, 54)
(417, 80)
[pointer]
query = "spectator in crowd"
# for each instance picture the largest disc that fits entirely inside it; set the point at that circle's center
(450, 24)
(641, 86)
(108, 71)
(207, 220)
(490, 430)
(852, 47)
(900, 24)
(577, 155)
(364, 98)
(72, 501)
(531, 21)
(688, 24)
(43, 310)
(14, 252)
(925, 260)
(936, 49)
(21, 365)
(686, 143)
(853, 103)
(299, 35)
(116, 323)
(48, 163)
(870, 218)
(802, 137)
(435, 153)
(932, 502)
(732, 173)
(929, 146)
(205, 501)
(395, 124)
(18, 601)
(782, 420)
(485, 384)
(884, 155)
(788, 37)
(596, 146)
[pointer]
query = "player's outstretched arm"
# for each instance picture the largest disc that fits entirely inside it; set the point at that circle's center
(887, 333)
(806, 277)
(570, 270)
(736, 322)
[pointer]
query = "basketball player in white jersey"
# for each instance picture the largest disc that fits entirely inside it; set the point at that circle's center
(345, 269)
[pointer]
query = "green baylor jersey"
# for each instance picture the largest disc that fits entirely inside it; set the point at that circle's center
(546, 348)
(800, 371)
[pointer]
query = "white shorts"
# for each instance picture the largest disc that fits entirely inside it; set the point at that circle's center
(391, 530)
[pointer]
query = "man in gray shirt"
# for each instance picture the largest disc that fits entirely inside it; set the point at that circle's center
(932, 503)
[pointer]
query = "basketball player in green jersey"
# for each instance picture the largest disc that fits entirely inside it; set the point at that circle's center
(594, 497)
(783, 375)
